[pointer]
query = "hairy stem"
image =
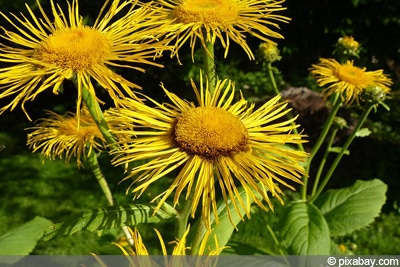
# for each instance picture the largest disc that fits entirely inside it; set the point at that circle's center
(209, 64)
(94, 166)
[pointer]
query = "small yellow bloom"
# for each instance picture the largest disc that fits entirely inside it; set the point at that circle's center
(268, 53)
(225, 20)
(347, 46)
(347, 80)
(218, 143)
(349, 43)
(41, 53)
(60, 136)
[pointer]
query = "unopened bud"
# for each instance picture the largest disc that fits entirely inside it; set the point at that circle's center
(347, 46)
(375, 94)
(268, 53)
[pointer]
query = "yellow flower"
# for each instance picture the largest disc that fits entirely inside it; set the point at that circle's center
(60, 136)
(226, 20)
(135, 255)
(268, 53)
(217, 143)
(346, 46)
(346, 79)
(348, 43)
(180, 248)
(41, 53)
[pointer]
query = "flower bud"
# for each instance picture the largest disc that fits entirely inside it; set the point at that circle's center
(375, 94)
(347, 46)
(268, 53)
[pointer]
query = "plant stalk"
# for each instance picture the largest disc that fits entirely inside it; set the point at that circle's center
(98, 116)
(339, 156)
(325, 130)
(323, 161)
(182, 216)
(95, 168)
(209, 63)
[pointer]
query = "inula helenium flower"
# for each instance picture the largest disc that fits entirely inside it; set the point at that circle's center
(225, 20)
(218, 143)
(59, 136)
(346, 79)
(347, 46)
(42, 52)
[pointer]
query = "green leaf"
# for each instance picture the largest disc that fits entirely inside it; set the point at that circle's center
(22, 240)
(304, 230)
(363, 132)
(337, 149)
(106, 218)
(352, 208)
(240, 248)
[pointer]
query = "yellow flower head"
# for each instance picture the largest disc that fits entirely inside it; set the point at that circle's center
(347, 80)
(60, 136)
(41, 53)
(268, 53)
(346, 46)
(226, 20)
(217, 143)
(348, 43)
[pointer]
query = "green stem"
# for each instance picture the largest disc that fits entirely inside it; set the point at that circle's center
(211, 75)
(181, 225)
(323, 161)
(94, 166)
(277, 243)
(209, 63)
(335, 107)
(339, 156)
(325, 130)
(200, 232)
(98, 116)
(182, 216)
(271, 76)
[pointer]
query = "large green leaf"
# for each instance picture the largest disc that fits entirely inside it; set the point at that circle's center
(22, 240)
(304, 230)
(351, 208)
(106, 218)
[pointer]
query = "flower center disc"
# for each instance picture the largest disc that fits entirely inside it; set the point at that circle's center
(210, 132)
(76, 49)
(352, 75)
(206, 11)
